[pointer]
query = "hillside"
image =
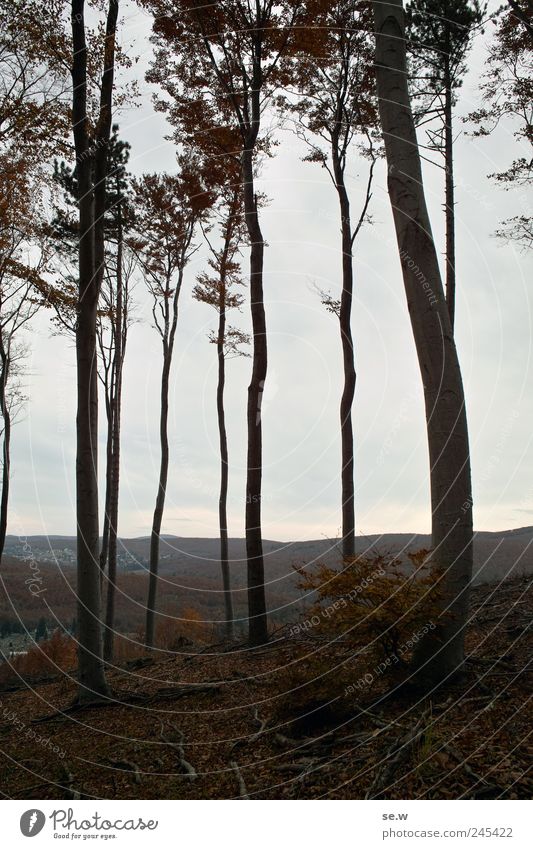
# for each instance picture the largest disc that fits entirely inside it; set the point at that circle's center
(191, 575)
(226, 722)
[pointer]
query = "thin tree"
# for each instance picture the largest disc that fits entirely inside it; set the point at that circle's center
(335, 104)
(91, 170)
(229, 54)
(113, 319)
(33, 124)
(441, 652)
(440, 34)
(18, 305)
(120, 267)
(114, 313)
(168, 210)
(217, 289)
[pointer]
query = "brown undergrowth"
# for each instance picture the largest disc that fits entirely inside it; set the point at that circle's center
(212, 722)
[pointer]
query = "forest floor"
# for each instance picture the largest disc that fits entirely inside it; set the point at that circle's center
(225, 722)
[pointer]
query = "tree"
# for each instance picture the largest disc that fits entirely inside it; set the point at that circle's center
(230, 55)
(168, 210)
(24, 255)
(17, 307)
(114, 310)
(336, 103)
(33, 85)
(91, 139)
(216, 288)
(33, 123)
(113, 319)
(441, 653)
(507, 92)
(440, 34)
(120, 266)
(524, 13)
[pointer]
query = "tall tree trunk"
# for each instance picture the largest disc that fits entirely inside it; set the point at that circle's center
(104, 548)
(449, 195)
(6, 445)
(115, 476)
(223, 498)
(257, 616)
(168, 348)
(345, 321)
(91, 170)
(441, 653)
(159, 504)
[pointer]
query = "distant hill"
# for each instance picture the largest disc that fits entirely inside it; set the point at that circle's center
(496, 554)
(190, 574)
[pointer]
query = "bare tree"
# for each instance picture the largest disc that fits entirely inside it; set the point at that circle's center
(112, 339)
(335, 105)
(216, 288)
(33, 123)
(168, 210)
(17, 307)
(230, 56)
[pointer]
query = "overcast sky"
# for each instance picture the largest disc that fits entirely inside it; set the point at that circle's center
(300, 419)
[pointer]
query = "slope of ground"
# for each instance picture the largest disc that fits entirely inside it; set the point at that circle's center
(219, 723)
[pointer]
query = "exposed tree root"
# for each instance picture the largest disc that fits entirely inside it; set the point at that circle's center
(243, 792)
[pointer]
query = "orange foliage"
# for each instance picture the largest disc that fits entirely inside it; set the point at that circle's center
(174, 631)
(373, 603)
(50, 657)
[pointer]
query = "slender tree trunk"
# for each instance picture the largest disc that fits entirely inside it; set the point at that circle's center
(345, 321)
(223, 498)
(115, 476)
(449, 197)
(257, 616)
(92, 679)
(441, 653)
(168, 348)
(104, 549)
(6, 446)
(159, 503)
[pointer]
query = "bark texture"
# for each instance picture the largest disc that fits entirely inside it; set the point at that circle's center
(171, 321)
(449, 194)
(257, 615)
(91, 166)
(223, 439)
(345, 321)
(119, 340)
(6, 443)
(441, 653)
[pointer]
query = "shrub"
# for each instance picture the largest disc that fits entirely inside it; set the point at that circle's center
(374, 604)
(365, 621)
(50, 657)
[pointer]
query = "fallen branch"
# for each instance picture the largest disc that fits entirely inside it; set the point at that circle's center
(126, 766)
(188, 769)
(396, 755)
(243, 792)
(69, 780)
(128, 699)
(262, 725)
